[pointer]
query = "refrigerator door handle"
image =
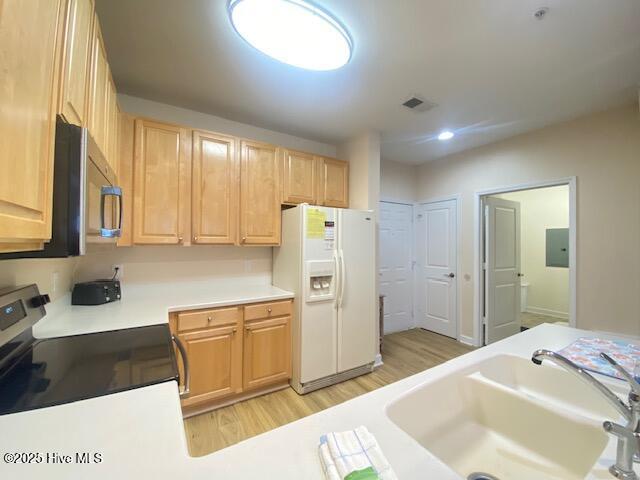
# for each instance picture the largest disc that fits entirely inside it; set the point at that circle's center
(342, 278)
(336, 288)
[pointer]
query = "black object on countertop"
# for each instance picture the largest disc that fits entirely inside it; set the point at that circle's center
(96, 292)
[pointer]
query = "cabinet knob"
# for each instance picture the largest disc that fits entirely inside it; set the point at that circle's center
(195, 238)
(209, 319)
(269, 310)
(244, 239)
(180, 239)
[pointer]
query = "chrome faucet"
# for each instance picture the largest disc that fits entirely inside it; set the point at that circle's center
(628, 436)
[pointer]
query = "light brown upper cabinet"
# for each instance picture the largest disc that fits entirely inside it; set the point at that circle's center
(215, 189)
(74, 86)
(260, 194)
(334, 183)
(98, 91)
(161, 197)
(125, 175)
(112, 133)
(31, 35)
(299, 178)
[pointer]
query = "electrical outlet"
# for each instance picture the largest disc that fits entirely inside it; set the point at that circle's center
(120, 274)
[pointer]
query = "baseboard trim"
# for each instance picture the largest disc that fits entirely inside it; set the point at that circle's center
(377, 363)
(197, 409)
(331, 379)
(547, 312)
(467, 340)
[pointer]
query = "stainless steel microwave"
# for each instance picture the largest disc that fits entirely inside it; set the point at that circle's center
(87, 201)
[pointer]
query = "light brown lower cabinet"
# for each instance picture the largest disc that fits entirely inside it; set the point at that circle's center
(233, 352)
(214, 357)
(267, 352)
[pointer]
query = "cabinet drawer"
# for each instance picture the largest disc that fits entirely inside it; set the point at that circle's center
(267, 310)
(208, 318)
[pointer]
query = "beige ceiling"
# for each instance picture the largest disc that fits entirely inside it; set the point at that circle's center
(493, 70)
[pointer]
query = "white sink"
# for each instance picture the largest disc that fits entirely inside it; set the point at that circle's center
(502, 419)
(551, 385)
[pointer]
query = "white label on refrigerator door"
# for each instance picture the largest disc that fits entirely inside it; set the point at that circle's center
(329, 235)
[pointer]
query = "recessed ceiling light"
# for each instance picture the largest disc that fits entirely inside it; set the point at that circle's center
(293, 32)
(445, 135)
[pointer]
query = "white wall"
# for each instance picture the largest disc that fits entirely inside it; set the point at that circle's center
(540, 209)
(363, 154)
(398, 182)
(164, 263)
(603, 152)
(41, 271)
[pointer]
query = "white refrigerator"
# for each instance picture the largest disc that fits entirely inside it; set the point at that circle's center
(328, 258)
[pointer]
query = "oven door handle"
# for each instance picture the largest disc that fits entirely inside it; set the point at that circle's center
(105, 191)
(185, 363)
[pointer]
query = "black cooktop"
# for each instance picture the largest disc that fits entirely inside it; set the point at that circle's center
(66, 369)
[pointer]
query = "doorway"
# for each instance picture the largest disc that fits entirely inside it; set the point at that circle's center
(526, 259)
(436, 268)
(396, 262)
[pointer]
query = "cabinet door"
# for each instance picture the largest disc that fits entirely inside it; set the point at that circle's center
(98, 91)
(77, 50)
(259, 194)
(162, 171)
(267, 352)
(214, 189)
(334, 183)
(125, 176)
(112, 125)
(215, 362)
(299, 177)
(30, 47)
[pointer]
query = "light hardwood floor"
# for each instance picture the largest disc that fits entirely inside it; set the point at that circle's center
(405, 353)
(530, 320)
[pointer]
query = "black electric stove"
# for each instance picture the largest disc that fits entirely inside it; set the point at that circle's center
(38, 373)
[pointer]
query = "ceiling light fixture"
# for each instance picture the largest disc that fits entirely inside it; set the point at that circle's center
(445, 135)
(293, 32)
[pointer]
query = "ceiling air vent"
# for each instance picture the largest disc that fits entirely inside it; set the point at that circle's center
(418, 104)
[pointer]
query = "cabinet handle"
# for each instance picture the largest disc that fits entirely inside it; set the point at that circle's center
(185, 363)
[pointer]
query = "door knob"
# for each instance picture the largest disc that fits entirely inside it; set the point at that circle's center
(450, 275)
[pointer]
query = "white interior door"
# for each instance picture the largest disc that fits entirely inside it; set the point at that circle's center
(436, 267)
(395, 270)
(502, 268)
(357, 316)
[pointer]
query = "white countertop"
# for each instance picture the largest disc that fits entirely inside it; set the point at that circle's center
(140, 433)
(148, 304)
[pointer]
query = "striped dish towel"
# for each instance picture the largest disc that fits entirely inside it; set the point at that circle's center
(353, 455)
